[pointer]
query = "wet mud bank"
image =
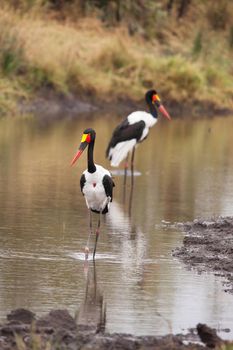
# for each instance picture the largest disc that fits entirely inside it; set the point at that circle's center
(51, 105)
(208, 246)
(58, 330)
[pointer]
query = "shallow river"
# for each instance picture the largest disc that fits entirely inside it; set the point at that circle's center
(185, 171)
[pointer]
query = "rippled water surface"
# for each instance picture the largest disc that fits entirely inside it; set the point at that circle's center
(185, 171)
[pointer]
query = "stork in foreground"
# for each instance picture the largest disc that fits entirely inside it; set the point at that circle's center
(133, 130)
(96, 184)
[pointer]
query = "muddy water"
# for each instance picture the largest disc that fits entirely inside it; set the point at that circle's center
(185, 170)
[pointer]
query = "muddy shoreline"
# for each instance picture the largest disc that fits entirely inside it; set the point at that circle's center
(59, 330)
(50, 105)
(208, 246)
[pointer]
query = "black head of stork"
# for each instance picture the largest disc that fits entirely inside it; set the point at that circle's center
(152, 98)
(88, 139)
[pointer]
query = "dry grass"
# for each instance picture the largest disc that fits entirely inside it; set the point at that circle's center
(85, 57)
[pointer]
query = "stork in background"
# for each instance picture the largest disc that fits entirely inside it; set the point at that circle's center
(96, 184)
(133, 130)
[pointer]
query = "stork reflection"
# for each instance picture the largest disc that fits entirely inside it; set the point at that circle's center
(129, 242)
(131, 174)
(130, 199)
(127, 188)
(91, 315)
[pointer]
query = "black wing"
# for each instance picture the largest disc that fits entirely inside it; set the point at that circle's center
(125, 132)
(108, 184)
(82, 182)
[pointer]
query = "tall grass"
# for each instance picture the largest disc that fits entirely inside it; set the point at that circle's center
(197, 44)
(230, 39)
(11, 49)
(226, 347)
(86, 57)
(218, 14)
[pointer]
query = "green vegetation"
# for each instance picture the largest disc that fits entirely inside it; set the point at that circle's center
(227, 347)
(114, 48)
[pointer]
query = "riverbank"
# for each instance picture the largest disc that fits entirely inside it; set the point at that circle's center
(208, 246)
(58, 330)
(49, 105)
(92, 61)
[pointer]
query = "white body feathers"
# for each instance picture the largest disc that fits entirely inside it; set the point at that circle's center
(120, 151)
(93, 189)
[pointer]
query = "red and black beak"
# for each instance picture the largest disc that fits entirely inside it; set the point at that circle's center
(84, 143)
(161, 108)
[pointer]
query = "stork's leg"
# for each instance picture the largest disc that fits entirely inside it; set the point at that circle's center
(132, 181)
(125, 177)
(94, 279)
(132, 167)
(125, 170)
(97, 235)
(89, 235)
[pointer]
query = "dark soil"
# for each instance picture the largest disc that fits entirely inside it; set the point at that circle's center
(50, 105)
(208, 246)
(58, 330)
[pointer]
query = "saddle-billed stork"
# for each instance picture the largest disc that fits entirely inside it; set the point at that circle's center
(96, 184)
(133, 130)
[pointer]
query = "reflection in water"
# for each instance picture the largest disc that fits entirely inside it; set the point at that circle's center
(91, 315)
(133, 248)
(131, 196)
(130, 199)
(127, 197)
(186, 172)
(135, 267)
(132, 180)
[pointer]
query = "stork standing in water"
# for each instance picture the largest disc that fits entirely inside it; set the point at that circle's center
(96, 184)
(133, 130)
